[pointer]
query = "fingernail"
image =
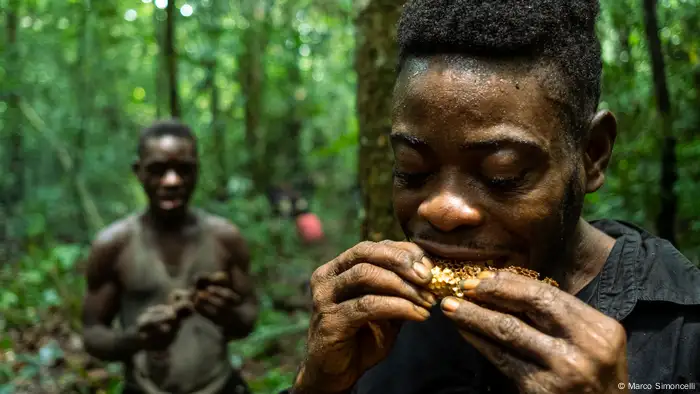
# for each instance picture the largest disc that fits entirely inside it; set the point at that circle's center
(449, 304)
(429, 297)
(421, 270)
(423, 312)
(469, 284)
(426, 262)
(486, 275)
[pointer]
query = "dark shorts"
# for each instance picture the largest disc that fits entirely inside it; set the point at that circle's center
(235, 385)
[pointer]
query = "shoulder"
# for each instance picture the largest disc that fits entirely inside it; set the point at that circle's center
(106, 248)
(665, 274)
(116, 234)
(222, 228)
(229, 237)
(225, 232)
(660, 288)
(657, 270)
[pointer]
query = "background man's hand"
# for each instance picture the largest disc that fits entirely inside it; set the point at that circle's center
(360, 299)
(158, 325)
(214, 298)
(565, 347)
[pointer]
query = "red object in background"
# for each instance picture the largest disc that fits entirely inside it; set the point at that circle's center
(309, 227)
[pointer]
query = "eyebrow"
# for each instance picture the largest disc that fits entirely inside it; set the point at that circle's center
(489, 144)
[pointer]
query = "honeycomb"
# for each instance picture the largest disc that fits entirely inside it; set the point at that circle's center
(447, 275)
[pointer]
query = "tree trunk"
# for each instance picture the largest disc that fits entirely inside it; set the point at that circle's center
(14, 190)
(251, 77)
(171, 60)
(13, 123)
(219, 140)
(159, 65)
(375, 64)
(623, 27)
(290, 143)
(83, 99)
(666, 221)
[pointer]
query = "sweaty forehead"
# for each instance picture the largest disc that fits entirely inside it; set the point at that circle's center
(169, 147)
(457, 96)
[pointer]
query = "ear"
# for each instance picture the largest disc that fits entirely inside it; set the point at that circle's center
(598, 149)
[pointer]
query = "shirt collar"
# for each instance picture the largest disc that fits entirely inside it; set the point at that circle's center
(642, 267)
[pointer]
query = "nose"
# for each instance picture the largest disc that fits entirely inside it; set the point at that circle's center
(448, 211)
(170, 179)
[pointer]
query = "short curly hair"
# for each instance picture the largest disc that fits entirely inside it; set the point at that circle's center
(162, 128)
(558, 32)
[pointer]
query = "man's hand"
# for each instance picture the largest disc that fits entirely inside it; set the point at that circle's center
(566, 346)
(360, 300)
(158, 325)
(214, 298)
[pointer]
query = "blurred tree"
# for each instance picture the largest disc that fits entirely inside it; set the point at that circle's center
(12, 182)
(666, 220)
(251, 74)
(212, 27)
(15, 190)
(82, 68)
(289, 146)
(375, 64)
(171, 60)
(160, 64)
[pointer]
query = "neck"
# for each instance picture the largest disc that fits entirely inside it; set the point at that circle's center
(590, 250)
(171, 221)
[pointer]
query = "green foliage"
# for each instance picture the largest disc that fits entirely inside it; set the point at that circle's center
(632, 190)
(40, 279)
(109, 90)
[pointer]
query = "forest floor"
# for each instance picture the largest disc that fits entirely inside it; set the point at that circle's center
(49, 359)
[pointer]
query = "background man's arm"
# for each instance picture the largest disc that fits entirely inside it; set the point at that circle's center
(245, 314)
(101, 304)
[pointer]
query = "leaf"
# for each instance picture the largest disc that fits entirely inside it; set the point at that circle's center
(8, 299)
(6, 343)
(7, 389)
(345, 141)
(67, 255)
(36, 225)
(32, 277)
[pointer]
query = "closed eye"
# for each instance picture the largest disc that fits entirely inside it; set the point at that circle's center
(506, 183)
(410, 180)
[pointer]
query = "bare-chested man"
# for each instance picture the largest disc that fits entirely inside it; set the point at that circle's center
(176, 277)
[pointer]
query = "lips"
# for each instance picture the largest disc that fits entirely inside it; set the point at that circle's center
(456, 253)
(170, 202)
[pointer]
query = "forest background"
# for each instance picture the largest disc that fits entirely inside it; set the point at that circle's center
(278, 91)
